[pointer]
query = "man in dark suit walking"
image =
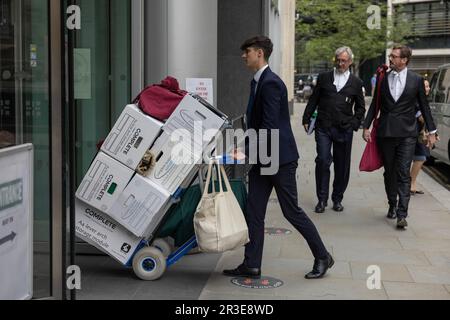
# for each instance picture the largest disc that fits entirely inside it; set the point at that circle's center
(337, 93)
(268, 111)
(401, 92)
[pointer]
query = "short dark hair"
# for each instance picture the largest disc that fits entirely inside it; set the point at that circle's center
(405, 51)
(259, 42)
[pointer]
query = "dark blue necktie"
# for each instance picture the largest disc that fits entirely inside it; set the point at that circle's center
(251, 100)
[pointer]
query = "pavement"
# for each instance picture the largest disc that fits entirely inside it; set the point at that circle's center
(374, 260)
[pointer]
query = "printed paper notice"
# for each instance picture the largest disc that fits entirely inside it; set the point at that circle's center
(202, 88)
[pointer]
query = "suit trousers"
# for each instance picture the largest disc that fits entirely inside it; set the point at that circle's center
(340, 140)
(260, 189)
(397, 156)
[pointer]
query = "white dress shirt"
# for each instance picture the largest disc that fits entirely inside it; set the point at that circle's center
(340, 79)
(258, 75)
(397, 83)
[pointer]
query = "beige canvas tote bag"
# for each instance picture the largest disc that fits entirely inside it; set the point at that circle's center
(219, 223)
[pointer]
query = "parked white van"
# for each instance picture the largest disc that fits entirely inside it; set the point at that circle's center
(439, 99)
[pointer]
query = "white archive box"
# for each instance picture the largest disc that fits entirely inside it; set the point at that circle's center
(132, 135)
(104, 181)
(192, 110)
(174, 163)
(101, 231)
(140, 206)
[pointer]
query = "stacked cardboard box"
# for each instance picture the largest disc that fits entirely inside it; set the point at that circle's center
(118, 208)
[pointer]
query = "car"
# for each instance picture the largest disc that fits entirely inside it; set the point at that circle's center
(304, 86)
(439, 99)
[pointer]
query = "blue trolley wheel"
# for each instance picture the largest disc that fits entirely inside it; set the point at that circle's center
(149, 264)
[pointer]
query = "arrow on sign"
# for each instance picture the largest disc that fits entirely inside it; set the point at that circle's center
(8, 238)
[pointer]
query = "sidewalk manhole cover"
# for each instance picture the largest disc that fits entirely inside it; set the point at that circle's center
(277, 231)
(263, 283)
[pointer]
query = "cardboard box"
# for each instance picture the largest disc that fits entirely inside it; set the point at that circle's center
(104, 181)
(174, 163)
(132, 135)
(191, 110)
(101, 231)
(140, 206)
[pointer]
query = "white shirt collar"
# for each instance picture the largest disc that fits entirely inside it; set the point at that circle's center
(259, 73)
(402, 73)
(346, 74)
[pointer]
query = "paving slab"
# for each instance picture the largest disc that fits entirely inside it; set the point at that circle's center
(415, 291)
(389, 272)
(430, 274)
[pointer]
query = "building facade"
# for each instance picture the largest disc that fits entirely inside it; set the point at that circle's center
(430, 21)
(69, 67)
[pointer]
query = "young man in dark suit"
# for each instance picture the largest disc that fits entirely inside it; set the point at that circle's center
(401, 92)
(337, 93)
(268, 110)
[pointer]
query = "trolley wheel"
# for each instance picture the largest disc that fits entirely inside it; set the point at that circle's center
(163, 246)
(149, 264)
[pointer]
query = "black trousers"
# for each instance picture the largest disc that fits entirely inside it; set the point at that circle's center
(397, 156)
(341, 141)
(260, 188)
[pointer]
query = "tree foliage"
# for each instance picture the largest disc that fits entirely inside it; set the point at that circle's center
(344, 23)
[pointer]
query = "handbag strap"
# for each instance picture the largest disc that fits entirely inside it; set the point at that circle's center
(381, 72)
(225, 178)
(208, 180)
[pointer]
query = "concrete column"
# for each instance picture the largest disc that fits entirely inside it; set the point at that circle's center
(192, 40)
(181, 40)
(287, 17)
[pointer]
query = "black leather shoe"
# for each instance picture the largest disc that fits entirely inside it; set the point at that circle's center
(320, 267)
(243, 271)
(320, 207)
(337, 206)
(401, 223)
(392, 213)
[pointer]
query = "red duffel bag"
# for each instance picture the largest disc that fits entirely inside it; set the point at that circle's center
(160, 100)
(371, 159)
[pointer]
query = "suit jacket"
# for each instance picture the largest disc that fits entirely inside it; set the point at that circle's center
(271, 111)
(398, 119)
(336, 108)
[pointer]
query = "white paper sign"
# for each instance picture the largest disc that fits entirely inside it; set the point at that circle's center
(202, 87)
(16, 223)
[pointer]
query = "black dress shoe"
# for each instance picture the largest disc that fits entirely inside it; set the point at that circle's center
(401, 223)
(320, 267)
(320, 207)
(337, 206)
(243, 271)
(392, 213)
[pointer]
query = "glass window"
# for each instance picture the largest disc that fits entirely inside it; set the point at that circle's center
(433, 86)
(24, 111)
(102, 74)
(443, 85)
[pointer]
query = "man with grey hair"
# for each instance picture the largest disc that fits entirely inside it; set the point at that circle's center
(339, 101)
